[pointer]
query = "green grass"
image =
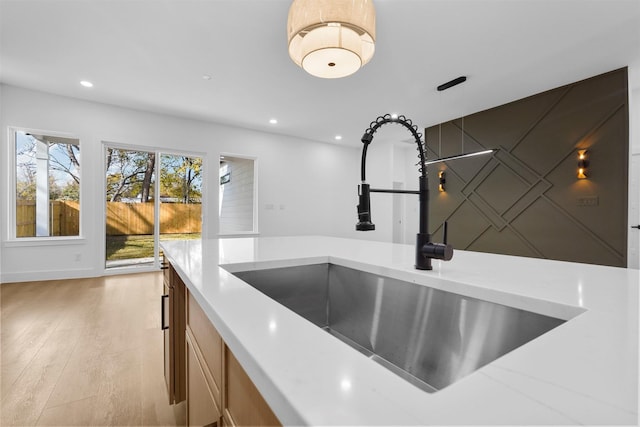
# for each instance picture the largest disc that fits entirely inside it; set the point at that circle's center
(130, 247)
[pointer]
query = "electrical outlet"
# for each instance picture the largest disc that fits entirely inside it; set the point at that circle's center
(588, 201)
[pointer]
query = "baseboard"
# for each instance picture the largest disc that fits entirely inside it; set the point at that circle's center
(31, 276)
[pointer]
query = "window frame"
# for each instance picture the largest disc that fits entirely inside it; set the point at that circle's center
(255, 231)
(12, 239)
(159, 151)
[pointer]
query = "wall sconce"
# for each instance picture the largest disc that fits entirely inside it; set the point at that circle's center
(442, 181)
(583, 163)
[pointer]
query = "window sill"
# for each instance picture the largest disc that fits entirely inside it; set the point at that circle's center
(45, 241)
(238, 234)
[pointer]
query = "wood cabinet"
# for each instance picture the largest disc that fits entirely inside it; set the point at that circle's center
(169, 379)
(243, 403)
(218, 389)
(173, 325)
(204, 367)
(202, 409)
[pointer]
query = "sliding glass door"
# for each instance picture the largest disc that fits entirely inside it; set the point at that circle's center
(130, 200)
(150, 196)
(180, 197)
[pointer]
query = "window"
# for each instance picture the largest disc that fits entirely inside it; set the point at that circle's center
(237, 205)
(47, 185)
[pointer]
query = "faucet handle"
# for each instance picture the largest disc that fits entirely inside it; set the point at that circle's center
(444, 232)
(438, 251)
(364, 209)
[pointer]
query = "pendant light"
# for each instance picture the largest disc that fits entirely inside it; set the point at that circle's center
(463, 155)
(331, 38)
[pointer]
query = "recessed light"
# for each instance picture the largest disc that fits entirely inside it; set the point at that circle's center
(273, 121)
(338, 137)
(206, 77)
(86, 83)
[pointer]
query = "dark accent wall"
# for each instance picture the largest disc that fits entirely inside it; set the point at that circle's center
(526, 199)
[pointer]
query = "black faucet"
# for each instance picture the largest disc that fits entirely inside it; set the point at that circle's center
(425, 249)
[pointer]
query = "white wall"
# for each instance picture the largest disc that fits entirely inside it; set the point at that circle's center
(312, 185)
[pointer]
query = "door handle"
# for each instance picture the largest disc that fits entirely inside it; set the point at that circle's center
(636, 226)
(162, 312)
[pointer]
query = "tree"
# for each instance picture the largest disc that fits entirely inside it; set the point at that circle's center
(55, 192)
(148, 174)
(64, 158)
(26, 170)
(26, 190)
(181, 178)
(129, 174)
(63, 161)
(71, 191)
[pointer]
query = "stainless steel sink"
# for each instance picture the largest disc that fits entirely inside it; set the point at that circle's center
(430, 337)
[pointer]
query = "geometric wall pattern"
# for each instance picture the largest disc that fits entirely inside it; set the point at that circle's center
(526, 199)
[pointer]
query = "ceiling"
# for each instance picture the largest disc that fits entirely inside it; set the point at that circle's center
(152, 55)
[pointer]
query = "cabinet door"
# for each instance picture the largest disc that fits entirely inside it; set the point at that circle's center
(166, 272)
(166, 331)
(169, 356)
(244, 405)
(208, 341)
(201, 407)
(178, 322)
(174, 347)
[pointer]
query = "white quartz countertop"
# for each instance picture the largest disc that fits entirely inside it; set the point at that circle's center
(585, 371)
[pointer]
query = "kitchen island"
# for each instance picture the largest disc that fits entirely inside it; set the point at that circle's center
(584, 371)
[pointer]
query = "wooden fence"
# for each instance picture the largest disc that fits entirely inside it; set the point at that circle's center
(137, 218)
(64, 218)
(122, 218)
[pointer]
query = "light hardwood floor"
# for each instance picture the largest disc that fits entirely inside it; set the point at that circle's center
(84, 352)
